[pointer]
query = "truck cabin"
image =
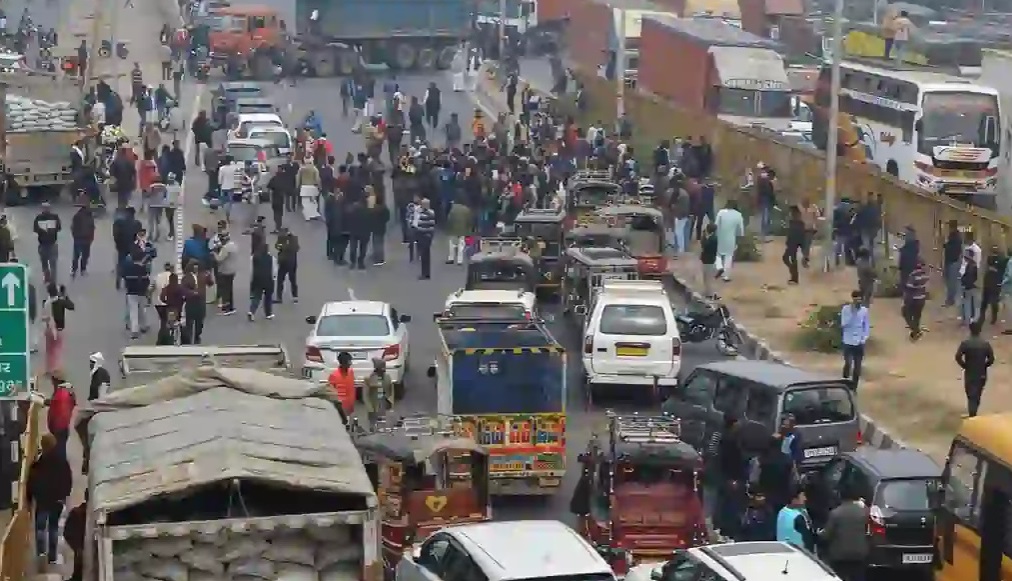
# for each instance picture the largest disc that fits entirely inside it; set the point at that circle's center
(256, 22)
(143, 364)
(596, 236)
(501, 271)
(585, 197)
(545, 227)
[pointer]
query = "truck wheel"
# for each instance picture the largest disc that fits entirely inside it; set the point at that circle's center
(427, 59)
(404, 56)
(446, 56)
(324, 65)
(263, 67)
(347, 61)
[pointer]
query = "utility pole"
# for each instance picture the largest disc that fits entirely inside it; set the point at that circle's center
(833, 138)
(502, 31)
(620, 66)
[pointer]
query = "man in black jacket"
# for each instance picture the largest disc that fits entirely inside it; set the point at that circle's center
(974, 356)
(123, 170)
(359, 232)
(124, 233)
(82, 229)
(288, 264)
(47, 228)
(137, 281)
(990, 289)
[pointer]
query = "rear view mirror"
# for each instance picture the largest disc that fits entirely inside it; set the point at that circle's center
(311, 319)
(431, 371)
(580, 309)
(405, 318)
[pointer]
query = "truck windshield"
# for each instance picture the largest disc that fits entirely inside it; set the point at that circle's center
(748, 103)
(961, 118)
(224, 23)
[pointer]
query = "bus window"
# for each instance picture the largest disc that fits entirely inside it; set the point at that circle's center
(257, 23)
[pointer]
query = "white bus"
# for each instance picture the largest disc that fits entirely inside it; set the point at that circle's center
(936, 131)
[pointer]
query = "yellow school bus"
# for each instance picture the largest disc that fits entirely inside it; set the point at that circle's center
(973, 537)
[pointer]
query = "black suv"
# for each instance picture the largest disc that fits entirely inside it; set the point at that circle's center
(898, 485)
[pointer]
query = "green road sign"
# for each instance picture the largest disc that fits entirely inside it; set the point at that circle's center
(15, 363)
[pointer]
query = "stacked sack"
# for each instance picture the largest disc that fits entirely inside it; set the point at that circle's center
(25, 114)
(311, 554)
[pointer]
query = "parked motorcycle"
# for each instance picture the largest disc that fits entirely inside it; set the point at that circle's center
(713, 324)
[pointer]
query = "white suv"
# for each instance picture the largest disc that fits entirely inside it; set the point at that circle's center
(631, 337)
(753, 561)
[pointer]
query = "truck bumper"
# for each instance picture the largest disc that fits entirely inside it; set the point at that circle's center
(526, 485)
(633, 380)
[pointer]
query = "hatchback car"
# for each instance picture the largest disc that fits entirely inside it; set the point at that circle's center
(898, 485)
(367, 330)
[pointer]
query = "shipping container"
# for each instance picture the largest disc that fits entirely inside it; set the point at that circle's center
(594, 33)
(764, 17)
(687, 60)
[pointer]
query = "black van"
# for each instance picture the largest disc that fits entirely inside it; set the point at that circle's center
(762, 393)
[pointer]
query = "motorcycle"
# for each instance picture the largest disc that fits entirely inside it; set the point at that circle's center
(714, 324)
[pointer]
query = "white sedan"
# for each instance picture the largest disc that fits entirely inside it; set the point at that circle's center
(367, 330)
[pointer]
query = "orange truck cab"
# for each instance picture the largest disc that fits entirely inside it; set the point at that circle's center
(254, 32)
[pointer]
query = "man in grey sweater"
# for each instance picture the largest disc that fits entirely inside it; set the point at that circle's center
(226, 257)
(846, 537)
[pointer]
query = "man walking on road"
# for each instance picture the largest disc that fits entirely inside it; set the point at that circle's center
(855, 324)
(974, 356)
(423, 227)
(47, 228)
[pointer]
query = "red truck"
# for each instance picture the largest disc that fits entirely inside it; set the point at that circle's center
(595, 26)
(707, 64)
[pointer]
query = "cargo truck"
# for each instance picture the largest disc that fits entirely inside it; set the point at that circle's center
(142, 364)
(337, 36)
(222, 473)
(506, 381)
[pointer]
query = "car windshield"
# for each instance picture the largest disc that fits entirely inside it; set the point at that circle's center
(646, 320)
(906, 495)
(243, 152)
(254, 108)
(353, 326)
(278, 138)
(487, 311)
(821, 404)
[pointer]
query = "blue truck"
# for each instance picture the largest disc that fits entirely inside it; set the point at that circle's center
(506, 381)
(337, 36)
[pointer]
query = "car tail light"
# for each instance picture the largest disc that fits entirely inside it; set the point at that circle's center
(676, 348)
(391, 352)
(527, 315)
(588, 345)
(314, 354)
(876, 522)
(860, 437)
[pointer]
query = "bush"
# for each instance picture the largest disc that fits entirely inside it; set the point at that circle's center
(888, 285)
(821, 331)
(749, 249)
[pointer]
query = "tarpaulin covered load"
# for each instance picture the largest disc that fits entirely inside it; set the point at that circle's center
(214, 424)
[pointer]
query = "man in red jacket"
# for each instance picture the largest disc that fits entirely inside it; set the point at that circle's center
(61, 410)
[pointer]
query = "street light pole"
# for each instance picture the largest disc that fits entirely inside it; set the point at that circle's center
(502, 30)
(832, 138)
(620, 65)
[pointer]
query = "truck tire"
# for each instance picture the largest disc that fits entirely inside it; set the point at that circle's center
(262, 67)
(446, 56)
(404, 56)
(426, 59)
(323, 64)
(347, 61)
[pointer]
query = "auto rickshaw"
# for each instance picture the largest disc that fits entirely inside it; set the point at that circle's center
(543, 231)
(501, 264)
(596, 235)
(638, 497)
(587, 191)
(428, 475)
(644, 237)
(586, 271)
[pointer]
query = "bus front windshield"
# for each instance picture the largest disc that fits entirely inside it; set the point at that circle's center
(959, 119)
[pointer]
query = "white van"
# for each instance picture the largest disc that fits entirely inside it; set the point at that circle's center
(631, 337)
(275, 134)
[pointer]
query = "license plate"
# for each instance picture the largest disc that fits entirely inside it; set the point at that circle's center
(916, 558)
(631, 351)
(359, 355)
(548, 482)
(820, 452)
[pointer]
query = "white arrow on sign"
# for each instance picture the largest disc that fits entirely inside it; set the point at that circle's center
(11, 283)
